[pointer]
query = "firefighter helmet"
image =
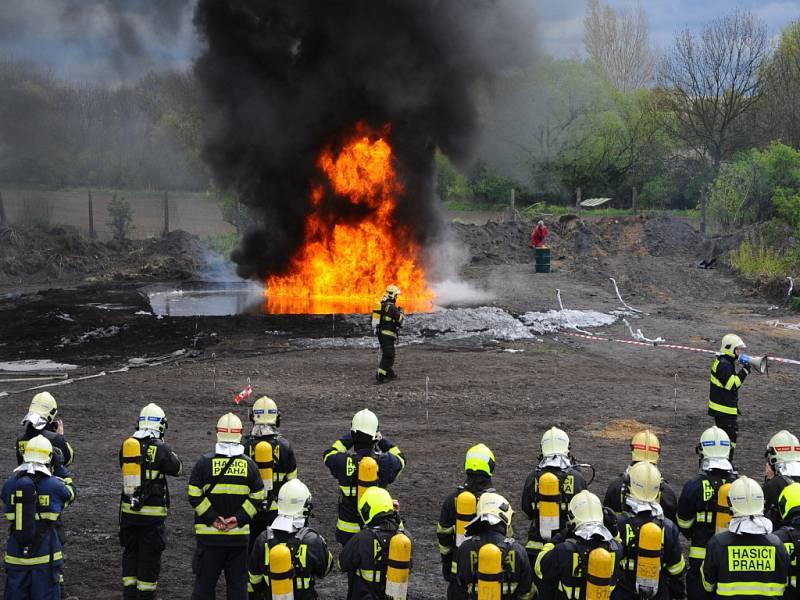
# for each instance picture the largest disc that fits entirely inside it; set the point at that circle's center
(729, 343)
(152, 417)
(44, 405)
(479, 459)
(645, 446)
(644, 481)
(585, 507)
(789, 502)
(264, 411)
(746, 498)
(229, 428)
(294, 499)
(366, 422)
(555, 442)
(392, 292)
(783, 447)
(38, 450)
(374, 502)
(494, 508)
(714, 443)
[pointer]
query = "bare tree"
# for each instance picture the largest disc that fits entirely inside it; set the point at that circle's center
(620, 42)
(712, 79)
(783, 89)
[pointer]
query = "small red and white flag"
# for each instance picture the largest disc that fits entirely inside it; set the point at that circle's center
(244, 394)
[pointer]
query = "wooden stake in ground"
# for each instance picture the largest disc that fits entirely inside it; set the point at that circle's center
(2, 211)
(513, 208)
(578, 200)
(166, 213)
(92, 233)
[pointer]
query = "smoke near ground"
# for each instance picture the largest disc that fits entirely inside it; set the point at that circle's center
(286, 78)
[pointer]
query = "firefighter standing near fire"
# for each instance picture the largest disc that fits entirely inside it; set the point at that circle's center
(549, 489)
(360, 459)
(145, 460)
(782, 469)
(703, 506)
(490, 561)
(653, 566)
(586, 563)
(307, 552)
(33, 499)
(377, 559)
(274, 456)
(725, 381)
(644, 446)
(747, 561)
(225, 488)
(459, 509)
(387, 319)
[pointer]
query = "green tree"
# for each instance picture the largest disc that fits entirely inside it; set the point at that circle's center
(120, 216)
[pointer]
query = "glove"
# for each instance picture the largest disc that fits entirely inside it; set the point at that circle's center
(58, 458)
(447, 569)
(610, 521)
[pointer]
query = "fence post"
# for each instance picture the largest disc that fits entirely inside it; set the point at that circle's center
(578, 199)
(2, 211)
(513, 208)
(92, 233)
(634, 195)
(166, 213)
(703, 210)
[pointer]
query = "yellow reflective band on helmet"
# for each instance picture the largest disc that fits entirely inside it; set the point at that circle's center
(697, 552)
(32, 560)
(347, 526)
(751, 588)
(201, 529)
(721, 408)
(751, 558)
(146, 511)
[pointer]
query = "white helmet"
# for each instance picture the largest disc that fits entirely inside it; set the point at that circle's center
(729, 343)
(38, 450)
(494, 508)
(746, 498)
(366, 422)
(42, 411)
(264, 411)
(229, 428)
(152, 417)
(783, 447)
(555, 442)
(644, 481)
(294, 499)
(585, 507)
(714, 443)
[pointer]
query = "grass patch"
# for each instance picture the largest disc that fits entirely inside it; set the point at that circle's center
(223, 243)
(467, 206)
(756, 260)
(540, 208)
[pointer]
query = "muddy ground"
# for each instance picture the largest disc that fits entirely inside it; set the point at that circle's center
(478, 391)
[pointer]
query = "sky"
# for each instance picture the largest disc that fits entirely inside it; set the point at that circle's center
(118, 41)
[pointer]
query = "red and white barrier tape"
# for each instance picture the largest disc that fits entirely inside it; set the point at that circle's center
(596, 338)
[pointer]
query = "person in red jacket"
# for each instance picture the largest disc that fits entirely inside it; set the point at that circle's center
(539, 235)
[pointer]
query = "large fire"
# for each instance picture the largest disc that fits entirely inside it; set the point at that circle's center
(345, 267)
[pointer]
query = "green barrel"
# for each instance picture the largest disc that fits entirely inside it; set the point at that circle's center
(542, 260)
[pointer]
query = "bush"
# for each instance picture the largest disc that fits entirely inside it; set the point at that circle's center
(487, 184)
(120, 216)
(755, 259)
(451, 184)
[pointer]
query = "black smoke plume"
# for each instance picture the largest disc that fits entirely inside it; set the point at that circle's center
(286, 78)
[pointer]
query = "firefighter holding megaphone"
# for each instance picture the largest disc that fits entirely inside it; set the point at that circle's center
(725, 381)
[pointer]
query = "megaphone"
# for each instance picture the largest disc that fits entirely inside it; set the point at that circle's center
(759, 363)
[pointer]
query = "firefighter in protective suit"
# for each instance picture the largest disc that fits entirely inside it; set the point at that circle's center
(225, 489)
(387, 319)
(266, 419)
(556, 461)
(34, 499)
(703, 506)
(653, 566)
(42, 419)
(367, 555)
(144, 502)
(346, 457)
(512, 575)
(725, 381)
(782, 469)
(789, 534)
(644, 446)
(479, 465)
(747, 561)
(310, 558)
(588, 557)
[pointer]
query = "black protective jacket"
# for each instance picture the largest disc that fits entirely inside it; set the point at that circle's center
(571, 482)
(725, 381)
(390, 318)
(772, 492)
(697, 509)
(561, 569)
(284, 463)
(790, 536)
(56, 439)
(151, 503)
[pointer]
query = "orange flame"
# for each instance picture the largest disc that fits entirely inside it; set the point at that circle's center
(345, 267)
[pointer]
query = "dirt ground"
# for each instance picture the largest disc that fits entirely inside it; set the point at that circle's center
(477, 391)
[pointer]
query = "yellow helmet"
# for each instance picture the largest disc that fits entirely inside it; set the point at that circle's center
(555, 442)
(645, 446)
(585, 507)
(783, 447)
(294, 499)
(729, 343)
(479, 459)
(38, 450)
(366, 422)
(789, 501)
(374, 502)
(44, 405)
(644, 481)
(746, 498)
(392, 292)
(152, 417)
(229, 428)
(264, 411)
